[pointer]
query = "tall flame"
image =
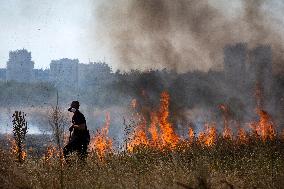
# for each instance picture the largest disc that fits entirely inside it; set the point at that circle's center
(139, 136)
(101, 143)
(242, 136)
(159, 132)
(153, 129)
(168, 136)
(227, 132)
(264, 127)
(191, 135)
(209, 135)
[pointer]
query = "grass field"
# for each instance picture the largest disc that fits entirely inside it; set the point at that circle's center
(226, 164)
(154, 156)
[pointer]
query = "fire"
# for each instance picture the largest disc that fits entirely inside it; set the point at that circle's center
(209, 136)
(153, 129)
(50, 153)
(191, 135)
(227, 132)
(242, 136)
(264, 128)
(16, 151)
(160, 130)
(101, 143)
(138, 137)
(168, 136)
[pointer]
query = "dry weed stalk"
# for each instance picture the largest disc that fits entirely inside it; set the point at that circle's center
(57, 122)
(20, 126)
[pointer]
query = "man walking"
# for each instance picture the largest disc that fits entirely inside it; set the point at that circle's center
(80, 137)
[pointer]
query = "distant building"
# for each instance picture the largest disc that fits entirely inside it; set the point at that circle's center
(3, 74)
(250, 72)
(20, 66)
(235, 58)
(64, 72)
(260, 64)
(260, 69)
(41, 75)
(92, 73)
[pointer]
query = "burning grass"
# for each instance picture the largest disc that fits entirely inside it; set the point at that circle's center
(101, 144)
(156, 157)
(256, 164)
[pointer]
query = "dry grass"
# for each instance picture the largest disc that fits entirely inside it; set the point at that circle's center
(256, 164)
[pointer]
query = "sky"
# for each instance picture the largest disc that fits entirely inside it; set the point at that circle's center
(65, 28)
(49, 29)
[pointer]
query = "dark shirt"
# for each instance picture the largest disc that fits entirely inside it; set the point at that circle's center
(78, 119)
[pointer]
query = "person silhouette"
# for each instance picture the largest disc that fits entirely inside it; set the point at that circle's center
(80, 138)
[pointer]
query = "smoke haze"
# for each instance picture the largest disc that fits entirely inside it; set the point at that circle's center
(186, 35)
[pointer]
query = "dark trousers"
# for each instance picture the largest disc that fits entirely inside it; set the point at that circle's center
(76, 145)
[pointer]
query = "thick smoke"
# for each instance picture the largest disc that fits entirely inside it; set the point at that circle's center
(189, 35)
(185, 34)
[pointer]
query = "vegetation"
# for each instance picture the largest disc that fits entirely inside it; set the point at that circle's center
(154, 156)
(20, 127)
(256, 164)
(58, 122)
(29, 94)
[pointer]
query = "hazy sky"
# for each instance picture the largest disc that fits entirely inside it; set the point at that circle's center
(49, 29)
(53, 29)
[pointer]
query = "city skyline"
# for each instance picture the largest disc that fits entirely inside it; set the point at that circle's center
(50, 32)
(20, 68)
(51, 61)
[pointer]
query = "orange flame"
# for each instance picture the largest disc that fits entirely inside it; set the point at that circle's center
(264, 127)
(160, 129)
(138, 138)
(50, 153)
(168, 136)
(242, 136)
(101, 143)
(191, 134)
(209, 136)
(227, 132)
(16, 151)
(153, 130)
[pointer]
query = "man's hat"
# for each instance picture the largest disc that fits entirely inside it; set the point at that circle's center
(74, 104)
